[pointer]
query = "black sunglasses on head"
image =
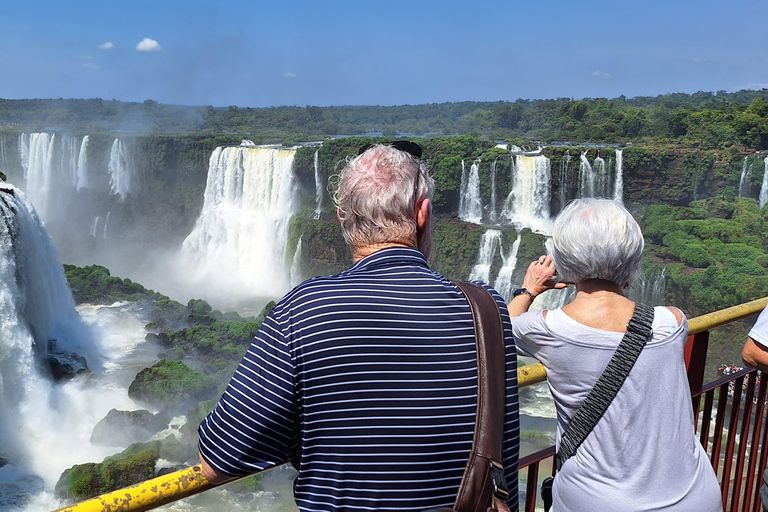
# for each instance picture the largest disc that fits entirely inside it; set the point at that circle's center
(409, 147)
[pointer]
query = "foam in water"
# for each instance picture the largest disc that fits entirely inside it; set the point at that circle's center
(618, 184)
(489, 244)
(120, 170)
(470, 206)
(237, 248)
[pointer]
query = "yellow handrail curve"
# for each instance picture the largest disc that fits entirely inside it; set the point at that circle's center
(187, 482)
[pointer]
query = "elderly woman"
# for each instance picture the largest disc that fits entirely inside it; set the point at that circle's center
(643, 453)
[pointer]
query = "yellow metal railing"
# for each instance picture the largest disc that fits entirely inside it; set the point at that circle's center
(187, 482)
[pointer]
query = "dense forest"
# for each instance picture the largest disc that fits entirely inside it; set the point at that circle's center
(702, 119)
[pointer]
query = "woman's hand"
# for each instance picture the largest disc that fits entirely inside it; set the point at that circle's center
(538, 277)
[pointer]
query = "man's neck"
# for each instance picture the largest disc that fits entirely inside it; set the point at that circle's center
(359, 253)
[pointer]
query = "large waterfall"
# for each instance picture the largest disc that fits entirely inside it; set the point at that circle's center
(586, 177)
(601, 176)
(489, 244)
(618, 183)
(237, 248)
(470, 205)
(528, 203)
(36, 150)
(120, 169)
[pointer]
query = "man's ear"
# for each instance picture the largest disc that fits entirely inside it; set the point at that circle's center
(422, 214)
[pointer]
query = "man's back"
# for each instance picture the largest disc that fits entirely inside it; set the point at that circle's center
(367, 382)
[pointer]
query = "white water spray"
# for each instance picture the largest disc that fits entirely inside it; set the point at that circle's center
(318, 187)
(764, 186)
(565, 167)
(237, 248)
(494, 213)
(470, 207)
(82, 165)
(586, 177)
(120, 170)
(36, 151)
(503, 283)
(528, 203)
(601, 177)
(618, 183)
(489, 245)
(745, 180)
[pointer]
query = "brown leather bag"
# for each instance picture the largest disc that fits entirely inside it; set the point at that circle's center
(483, 487)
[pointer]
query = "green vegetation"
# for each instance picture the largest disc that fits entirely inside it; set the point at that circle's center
(95, 285)
(133, 465)
(170, 385)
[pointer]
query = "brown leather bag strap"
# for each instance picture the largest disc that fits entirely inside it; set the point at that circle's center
(483, 487)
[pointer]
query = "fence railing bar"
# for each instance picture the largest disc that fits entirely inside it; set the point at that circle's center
(753, 451)
(717, 437)
(706, 418)
(741, 458)
(532, 487)
(733, 424)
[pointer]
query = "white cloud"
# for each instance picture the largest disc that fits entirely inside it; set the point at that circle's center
(85, 57)
(600, 74)
(288, 74)
(148, 45)
(91, 65)
(109, 45)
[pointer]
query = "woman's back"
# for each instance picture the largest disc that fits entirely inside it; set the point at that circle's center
(643, 454)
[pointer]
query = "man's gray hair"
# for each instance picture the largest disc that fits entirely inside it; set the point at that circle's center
(596, 239)
(376, 195)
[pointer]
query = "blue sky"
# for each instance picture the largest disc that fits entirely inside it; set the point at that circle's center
(360, 52)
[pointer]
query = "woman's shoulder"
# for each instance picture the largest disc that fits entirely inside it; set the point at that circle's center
(669, 321)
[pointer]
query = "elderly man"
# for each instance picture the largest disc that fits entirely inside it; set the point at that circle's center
(366, 381)
(755, 355)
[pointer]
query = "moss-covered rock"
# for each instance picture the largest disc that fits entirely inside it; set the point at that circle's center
(170, 385)
(119, 428)
(133, 465)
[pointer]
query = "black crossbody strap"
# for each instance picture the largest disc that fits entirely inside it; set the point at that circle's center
(594, 406)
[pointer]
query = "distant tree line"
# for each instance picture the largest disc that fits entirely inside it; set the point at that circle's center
(703, 119)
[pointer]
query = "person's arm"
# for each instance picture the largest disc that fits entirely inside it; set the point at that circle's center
(210, 473)
(755, 355)
(538, 279)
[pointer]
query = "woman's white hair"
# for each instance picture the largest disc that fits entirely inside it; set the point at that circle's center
(376, 195)
(596, 239)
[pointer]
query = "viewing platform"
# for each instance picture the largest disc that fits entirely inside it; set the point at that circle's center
(732, 431)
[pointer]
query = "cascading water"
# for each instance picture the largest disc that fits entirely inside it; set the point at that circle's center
(95, 227)
(586, 177)
(39, 325)
(69, 156)
(601, 176)
(82, 165)
(565, 165)
(489, 245)
(120, 170)
(318, 187)
(237, 247)
(528, 203)
(618, 182)
(494, 213)
(503, 283)
(36, 151)
(295, 272)
(764, 186)
(745, 180)
(470, 206)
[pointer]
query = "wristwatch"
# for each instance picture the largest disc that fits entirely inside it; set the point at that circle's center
(521, 291)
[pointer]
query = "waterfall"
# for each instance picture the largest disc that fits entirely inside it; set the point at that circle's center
(318, 187)
(36, 151)
(95, 227)
(565, 165)
(764, 186)
(528, 203)
(618, 183)
(295, 272)
(659, 289)
(494, 213)
(489, 244)
(120, 170)
(470, 206)
(586, 177)
(745, 185)
(106, 223)
(642, 290)
(503, 283)
(39, 324)
(82, 165)
(601, 177)
(238, 243)
(69, 156)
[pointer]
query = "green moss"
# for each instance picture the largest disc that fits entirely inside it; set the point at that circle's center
(170, 385)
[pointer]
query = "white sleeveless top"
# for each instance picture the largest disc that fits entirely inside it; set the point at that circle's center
(643, 454)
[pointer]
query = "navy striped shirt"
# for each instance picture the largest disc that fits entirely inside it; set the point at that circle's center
(367, 383)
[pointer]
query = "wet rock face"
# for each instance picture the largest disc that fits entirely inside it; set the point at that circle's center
(119, 428)
(65, 365)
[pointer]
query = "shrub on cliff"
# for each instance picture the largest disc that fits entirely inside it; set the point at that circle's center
(133, 465)
(170, 385)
